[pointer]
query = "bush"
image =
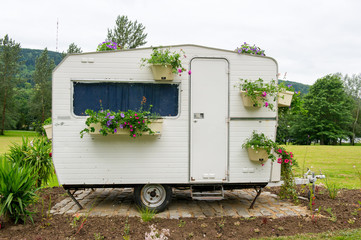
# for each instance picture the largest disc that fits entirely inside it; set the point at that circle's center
(17, 190)
(35, 155)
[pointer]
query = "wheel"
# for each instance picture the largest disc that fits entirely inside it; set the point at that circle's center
(153, 196)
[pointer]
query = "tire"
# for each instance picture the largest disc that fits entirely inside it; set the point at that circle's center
(155, 197)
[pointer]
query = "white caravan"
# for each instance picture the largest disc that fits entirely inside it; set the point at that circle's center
(204, 124)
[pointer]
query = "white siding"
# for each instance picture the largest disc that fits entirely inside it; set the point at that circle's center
(149, 159)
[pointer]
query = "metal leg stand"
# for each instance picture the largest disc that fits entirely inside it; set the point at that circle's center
(74, 199)
(258, 190)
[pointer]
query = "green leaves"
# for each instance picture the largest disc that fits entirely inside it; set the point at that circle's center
(165, 57)
(17, 190)
(260, 141)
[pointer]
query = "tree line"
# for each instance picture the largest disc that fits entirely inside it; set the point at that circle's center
(328, 114)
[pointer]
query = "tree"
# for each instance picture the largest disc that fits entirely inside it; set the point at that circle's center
(73, 48)
(42, 92)
(353, 88)
(127, 33)
(9, 69)
(328, 112)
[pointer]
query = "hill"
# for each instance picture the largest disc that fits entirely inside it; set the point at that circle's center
(28, 57)
(299, 87)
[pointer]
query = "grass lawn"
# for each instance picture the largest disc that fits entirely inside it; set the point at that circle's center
(336, 162)
(14, 136)
(337, 235)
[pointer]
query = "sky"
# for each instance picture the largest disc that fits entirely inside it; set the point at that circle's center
(308, 38)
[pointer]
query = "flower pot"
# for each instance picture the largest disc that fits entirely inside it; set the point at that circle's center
(248, 102)
(155, 125)
(161, 72)
(285, 98)
(259, 155)
(49, 131)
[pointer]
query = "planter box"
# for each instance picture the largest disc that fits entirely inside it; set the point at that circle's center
(285, 98)
(259, 155)
(155, 125)
(247, 101)
(161, 72)
(49, 130)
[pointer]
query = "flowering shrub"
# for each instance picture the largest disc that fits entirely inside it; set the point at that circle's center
(259, 91)
(245, 48)
(260, 141)
(135, 122)
(165, 57)
(108, 45)
(288, 189)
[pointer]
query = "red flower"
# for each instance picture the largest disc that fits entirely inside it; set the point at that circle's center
(50, 154)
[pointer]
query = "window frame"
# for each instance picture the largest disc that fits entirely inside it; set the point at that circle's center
(74, 80)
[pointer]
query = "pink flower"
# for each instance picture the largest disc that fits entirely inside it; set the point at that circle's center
(131, 126)
(134, 135)
(131, 129)
(137, 118)
(279, 150)
(279, 160)
(180, 70)
(143, 121)
(262, 164)
(189, 72)
(286, 160)
(264, 94)
(266, 104)
(135, 114)
(138, 122)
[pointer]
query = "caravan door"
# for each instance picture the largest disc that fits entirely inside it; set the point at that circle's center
(209, 112)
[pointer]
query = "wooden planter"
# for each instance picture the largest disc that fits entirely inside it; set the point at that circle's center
(161, 72)
(49, 130)
(248, 102)
(285, 98)
(155, 125)
(259, 155)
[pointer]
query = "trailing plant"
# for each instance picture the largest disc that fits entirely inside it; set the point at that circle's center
(36, 155)
(135, 122)
(288, 189)
(259, 92)
(17, 190)
(165, 57)
(254, 50)
(108, 46)
(260, 141)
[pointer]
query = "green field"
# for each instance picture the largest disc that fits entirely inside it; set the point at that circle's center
(12, 137)
(338, 163)
(337, 235)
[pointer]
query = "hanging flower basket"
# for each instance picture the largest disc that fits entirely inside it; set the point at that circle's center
(49, 130)
(259, 155)
(249, 103)
(156, 126)
(162, 72)
(285, 98)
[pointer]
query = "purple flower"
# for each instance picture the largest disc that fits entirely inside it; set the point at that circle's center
(111, 117)
(189, 72)
(121, 126)
(115, 130)
(264, 94)
(266, 104)
(180, 70)
(289, 85)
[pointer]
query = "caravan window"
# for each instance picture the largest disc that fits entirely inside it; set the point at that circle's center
(125, 96)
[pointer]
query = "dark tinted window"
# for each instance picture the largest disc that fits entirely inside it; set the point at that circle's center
(124, 96)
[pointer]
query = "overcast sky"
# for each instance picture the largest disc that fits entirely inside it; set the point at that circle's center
(308, 38)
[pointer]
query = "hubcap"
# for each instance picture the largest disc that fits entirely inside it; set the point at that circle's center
(153, 196)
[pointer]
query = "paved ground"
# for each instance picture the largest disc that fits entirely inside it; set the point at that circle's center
(112, 202)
